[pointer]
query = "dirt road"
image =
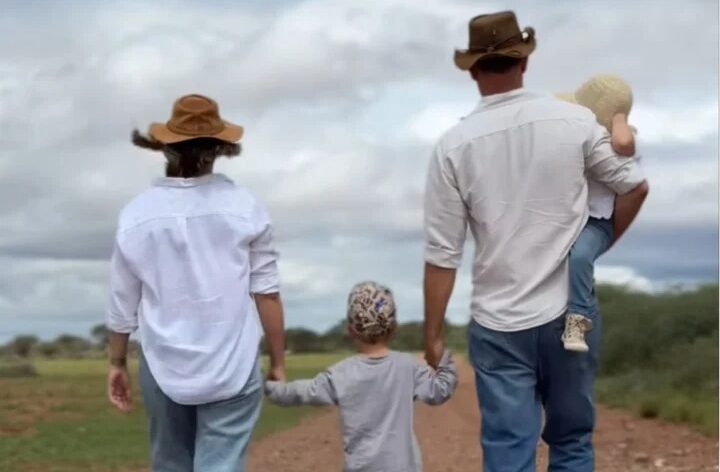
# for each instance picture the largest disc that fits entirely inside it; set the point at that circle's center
(451, 432)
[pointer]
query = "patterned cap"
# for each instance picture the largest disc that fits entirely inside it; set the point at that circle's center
(371, 311)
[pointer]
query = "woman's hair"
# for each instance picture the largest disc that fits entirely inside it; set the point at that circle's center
(189, 158)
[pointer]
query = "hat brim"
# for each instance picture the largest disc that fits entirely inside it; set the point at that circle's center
(159, 131)
(566, 97)
(465, 59)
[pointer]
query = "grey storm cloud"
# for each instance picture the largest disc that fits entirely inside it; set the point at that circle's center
(341, 101)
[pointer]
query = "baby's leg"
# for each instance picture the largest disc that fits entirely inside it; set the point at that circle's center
(594, 240)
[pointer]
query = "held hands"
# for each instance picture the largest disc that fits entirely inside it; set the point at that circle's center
(277, 374)
(118, 388)
(434, 348)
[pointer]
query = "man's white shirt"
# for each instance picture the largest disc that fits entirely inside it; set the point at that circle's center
(514, 172)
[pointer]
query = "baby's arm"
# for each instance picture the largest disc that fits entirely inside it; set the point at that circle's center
(622, 136)
(317, 392)
(436, 387)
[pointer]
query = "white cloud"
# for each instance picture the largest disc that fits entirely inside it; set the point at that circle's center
(430, 123)
(624, 276)
(681, 123)
(341, 101)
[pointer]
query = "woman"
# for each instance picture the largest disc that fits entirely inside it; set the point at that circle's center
(192, 254)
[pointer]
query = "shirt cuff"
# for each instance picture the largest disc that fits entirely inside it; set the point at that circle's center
(120, 324)
(635, 176)
(442, 257)
(264, 285)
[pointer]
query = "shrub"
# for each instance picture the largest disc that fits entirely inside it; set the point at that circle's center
(17, 369)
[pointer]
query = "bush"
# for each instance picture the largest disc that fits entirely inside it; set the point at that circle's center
(22, 345)
(659, 354)
(16, 370)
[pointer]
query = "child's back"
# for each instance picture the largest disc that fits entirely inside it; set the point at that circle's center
(375, 397)
(375, 390)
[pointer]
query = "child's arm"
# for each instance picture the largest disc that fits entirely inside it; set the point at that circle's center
(317, 392)
(622, 137)
(436, 387)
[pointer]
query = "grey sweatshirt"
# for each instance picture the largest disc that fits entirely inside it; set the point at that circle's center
(375, 397)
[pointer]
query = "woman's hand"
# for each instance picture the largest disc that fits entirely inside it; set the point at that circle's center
(118, 388)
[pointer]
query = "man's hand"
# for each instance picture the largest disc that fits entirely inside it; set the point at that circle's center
(118, 388)
(434, 348)
(277, 374)
(626, 209)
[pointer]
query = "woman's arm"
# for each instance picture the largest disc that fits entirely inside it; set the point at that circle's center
(270, 309)
(118, 384)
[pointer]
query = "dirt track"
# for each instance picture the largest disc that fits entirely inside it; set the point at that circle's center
(451, 431)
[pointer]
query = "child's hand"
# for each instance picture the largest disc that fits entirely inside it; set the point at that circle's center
(622, 136)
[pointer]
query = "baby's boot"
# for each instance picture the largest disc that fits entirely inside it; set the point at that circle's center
(573, 337)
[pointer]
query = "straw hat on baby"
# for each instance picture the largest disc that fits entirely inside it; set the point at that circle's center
(605, 95)
(195, 116)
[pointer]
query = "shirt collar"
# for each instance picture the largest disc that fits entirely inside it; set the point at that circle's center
(180, 182)
(500, 99)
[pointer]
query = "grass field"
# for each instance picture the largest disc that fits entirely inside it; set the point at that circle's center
(60, 421)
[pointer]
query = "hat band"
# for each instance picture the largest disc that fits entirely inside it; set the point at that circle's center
(522, 37)
(200, 132)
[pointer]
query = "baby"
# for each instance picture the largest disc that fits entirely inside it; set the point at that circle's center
(610, 99)
(374, 390)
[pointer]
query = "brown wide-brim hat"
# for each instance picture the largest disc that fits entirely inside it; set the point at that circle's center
(195, 116)
(496, 34)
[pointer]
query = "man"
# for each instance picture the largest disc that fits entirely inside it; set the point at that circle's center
(514, 171)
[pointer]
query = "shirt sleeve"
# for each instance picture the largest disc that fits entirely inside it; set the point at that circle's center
(264, 277)
(436, 387)
(445, 214)
(621, 174)
(125, 291)
(317, 392)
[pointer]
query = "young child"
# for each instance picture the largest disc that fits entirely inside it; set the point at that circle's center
(375, 390)
(610, 99)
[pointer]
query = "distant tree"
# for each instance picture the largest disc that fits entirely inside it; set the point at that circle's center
(48, 349)
(100, 334)
(303, 340)
(23, 345)
(72, 345)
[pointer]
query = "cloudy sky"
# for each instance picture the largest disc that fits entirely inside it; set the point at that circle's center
(341, 101)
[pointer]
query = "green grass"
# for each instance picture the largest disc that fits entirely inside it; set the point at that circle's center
(699, 408)
(61, 421)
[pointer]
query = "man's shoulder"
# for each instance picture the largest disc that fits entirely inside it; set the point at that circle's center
(537, 107)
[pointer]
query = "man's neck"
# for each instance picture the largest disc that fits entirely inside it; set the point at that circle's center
(488, 91)
(494, 84)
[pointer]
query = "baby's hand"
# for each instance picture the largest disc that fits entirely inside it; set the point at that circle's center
(622, 136)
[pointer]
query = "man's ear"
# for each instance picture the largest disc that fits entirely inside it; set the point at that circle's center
(523, 65)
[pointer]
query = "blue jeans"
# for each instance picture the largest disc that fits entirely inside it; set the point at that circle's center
(517, 375)
(212, 437)
(593, 241)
